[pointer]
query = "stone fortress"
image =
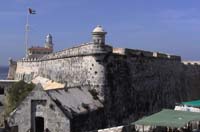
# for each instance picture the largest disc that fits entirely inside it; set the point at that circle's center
(94, 86)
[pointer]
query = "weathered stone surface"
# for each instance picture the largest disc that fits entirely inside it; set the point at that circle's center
(139, 86)
(75, 100)
(39, 104)
(129, 83)
(77, 66)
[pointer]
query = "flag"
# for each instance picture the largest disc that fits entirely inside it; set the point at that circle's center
(31, 11)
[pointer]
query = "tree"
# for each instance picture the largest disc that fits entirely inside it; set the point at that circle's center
(16, 94)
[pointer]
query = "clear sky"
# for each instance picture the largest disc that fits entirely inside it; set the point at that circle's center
(169, 26)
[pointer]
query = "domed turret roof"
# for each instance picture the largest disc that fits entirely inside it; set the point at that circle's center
(98, 29)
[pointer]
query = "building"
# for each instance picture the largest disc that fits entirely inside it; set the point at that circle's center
(51, 106)
(97, 86)
(38, 112)
(37, 51)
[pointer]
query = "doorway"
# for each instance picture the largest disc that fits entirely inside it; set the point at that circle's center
(39, 124)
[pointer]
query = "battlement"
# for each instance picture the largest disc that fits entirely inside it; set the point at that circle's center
(135, 52)
(81, 50)
(92, 49)
(191, 62)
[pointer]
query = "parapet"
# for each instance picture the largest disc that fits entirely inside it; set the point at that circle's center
(92, 49)
(142, 53)
(191, 62)
(82, 50)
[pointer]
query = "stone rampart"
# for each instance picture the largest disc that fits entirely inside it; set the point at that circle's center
(141, 85)
(78, 66)
(130, 81)
(86, 65)
(82, 50)
(135, 52)
(191, 62)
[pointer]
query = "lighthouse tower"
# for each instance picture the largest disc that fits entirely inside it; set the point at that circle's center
(37, 51)
(49, 42)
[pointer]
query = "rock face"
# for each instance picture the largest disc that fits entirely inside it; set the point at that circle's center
(130, 83)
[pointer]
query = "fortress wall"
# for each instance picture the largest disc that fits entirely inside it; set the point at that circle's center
(139, 85)
(191, 62)
(82, 50)
(135, 52)
(85, 65)
(74, 71)
(192, 77)
(133, 83)
(77, 66)
(27, 70)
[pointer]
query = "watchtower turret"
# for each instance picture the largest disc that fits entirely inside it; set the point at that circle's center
(98, 35)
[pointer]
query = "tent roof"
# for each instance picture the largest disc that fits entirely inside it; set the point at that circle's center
(195, 103)
(169, 118)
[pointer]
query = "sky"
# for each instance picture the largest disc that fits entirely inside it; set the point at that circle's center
(168, 26)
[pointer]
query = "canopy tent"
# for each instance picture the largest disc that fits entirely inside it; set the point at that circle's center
(195, 103)
(169, 118)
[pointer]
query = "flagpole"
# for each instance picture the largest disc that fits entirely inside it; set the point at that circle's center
(27, 29)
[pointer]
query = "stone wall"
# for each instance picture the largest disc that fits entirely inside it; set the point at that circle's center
(140, 85)
(77, 66)
(92, 120)
(131, 83)
(39, 104)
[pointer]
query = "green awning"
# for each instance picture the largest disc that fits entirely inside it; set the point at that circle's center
(169, 118)
(195, 103)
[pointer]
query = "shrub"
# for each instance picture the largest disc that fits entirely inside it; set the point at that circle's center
(16, 94)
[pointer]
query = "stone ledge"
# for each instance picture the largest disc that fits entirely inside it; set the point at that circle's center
(135, 52)
(82, 50)
(191, 62)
